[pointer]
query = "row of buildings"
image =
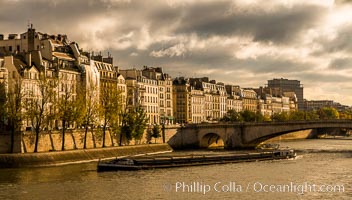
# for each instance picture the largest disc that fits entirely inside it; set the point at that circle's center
(180, 100)
(199, 100)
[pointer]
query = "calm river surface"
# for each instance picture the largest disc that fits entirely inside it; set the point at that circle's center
(323, 170)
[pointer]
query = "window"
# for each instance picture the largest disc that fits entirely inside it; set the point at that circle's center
(18, 47)
(10, 48)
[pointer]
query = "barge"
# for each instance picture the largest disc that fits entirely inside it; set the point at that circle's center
(143, 163)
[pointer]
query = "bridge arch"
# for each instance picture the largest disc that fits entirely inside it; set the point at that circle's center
(254, 134)
(211, 140)
(273, 135)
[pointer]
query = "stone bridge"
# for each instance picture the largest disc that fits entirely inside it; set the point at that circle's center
(244, 135)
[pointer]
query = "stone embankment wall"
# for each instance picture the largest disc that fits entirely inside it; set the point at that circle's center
(77, 156)
(74, 139)
(5, 142)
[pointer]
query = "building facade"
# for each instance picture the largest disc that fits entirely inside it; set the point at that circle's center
(143, 91)
(165, 95)
(286, 85)
(318, 104)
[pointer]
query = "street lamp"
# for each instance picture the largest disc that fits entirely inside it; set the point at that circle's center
(163, 127)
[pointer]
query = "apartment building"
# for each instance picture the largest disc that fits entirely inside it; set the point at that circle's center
(234, 101)
(164, 83)
(286, 85)
(144, 92)
(189, 102)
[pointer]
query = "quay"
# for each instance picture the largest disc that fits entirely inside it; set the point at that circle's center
(56, 158)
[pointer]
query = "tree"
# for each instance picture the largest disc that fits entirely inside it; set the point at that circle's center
(311, 115)
(266, 118)
(140, 121)
(297, 115)
(90, 110)
(328, 113)
(69, 110)
(37, 106)
(3, 99)
(126, 128)
(134, 122)
(232, 116)
(14, 110)
(345, 114)
(281, 117)
(259, 117)
(155, 132)
(110, 108)
(148, 136)
(248, 116)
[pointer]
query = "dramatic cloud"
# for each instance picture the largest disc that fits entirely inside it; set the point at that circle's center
(233, 41)
(279, 24)
(341, 64)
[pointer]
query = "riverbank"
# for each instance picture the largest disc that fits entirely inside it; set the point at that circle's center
(77, 156)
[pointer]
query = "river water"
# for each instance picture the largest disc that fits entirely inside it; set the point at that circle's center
(322, 170)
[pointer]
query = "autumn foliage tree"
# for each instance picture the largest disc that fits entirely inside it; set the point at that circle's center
(134, 123)
(110, 108)
(37, 106)
(90, 110)
(328, 113)
(69, 109)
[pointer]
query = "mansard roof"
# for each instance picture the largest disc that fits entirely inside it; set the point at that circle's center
(64, 56)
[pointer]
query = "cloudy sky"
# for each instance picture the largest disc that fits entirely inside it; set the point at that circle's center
(243, 42)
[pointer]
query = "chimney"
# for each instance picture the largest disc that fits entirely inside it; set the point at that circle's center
(108, 60)
(117, 69)
(37, 58)
(30, 38)
(97, 58)
(29, 59)
(12, 36)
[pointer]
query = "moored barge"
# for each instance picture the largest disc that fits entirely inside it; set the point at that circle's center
(142, 163)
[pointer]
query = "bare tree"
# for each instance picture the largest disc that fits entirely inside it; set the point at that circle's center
(3, 99)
